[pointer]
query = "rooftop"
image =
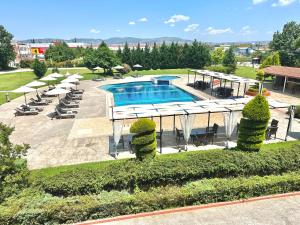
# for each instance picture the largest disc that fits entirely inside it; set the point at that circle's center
(293, 72)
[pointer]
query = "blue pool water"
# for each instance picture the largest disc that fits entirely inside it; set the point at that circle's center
(166, 77)
(146, 92)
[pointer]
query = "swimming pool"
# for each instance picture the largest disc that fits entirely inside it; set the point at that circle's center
(166, 77)
(146, 92)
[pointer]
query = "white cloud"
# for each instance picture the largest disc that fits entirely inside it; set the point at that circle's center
(256, 2)
(213, 31)
(143, 19)
(246, 30)
(94, 31)
(176, 18)
(283, 3)
(131, 23)
(191, 27)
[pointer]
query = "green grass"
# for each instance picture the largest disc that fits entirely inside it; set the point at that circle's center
(247, 72)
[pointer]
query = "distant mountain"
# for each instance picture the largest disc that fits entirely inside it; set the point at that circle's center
(113, 40)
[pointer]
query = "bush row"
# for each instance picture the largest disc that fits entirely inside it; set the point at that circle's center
(33, 207)
(172, 169)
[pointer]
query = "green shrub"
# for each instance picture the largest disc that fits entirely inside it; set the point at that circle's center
(35, 207)
(254, 124)
(144, 139)
(297, 112)
(172, 169)
(26, 63)
(39, 68)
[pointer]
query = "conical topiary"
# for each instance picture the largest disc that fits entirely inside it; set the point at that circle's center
(253, 125)
(144, 139)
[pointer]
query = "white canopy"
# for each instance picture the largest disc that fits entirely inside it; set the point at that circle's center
(76, 76)
(48, 78)
(137, 66)
(65, 85)
(57, 91)
(35, 84)
(98, 68)
(118, 67)
(55, 75)
(70, 80)
(23, 89)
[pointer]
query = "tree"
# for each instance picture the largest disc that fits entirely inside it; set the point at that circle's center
(59, 52)
(253, 125)
(7, 52)
(271, 60)
(173, 56)
(126, 55)
(217, 56)
(285, 43)
(164, 56)
(102, 56)
(119, 53)
(229, 59)
(198, 55)
(144, 138)
(39, 68)
(155, 57)
(147, 58)
(184, 56)
(13, 168)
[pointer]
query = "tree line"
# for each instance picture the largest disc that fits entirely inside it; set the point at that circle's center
(196, 55)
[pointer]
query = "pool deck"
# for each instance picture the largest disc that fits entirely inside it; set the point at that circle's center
(88, 137)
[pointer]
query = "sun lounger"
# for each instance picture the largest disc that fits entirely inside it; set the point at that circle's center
(21, 112)
(76, 91)
(61, 114)
(70, 96)
(69, 101)
(118, 76)
(64, 104)
(28, 108)
(37, 102)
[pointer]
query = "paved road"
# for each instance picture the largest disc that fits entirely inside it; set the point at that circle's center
(279, 211)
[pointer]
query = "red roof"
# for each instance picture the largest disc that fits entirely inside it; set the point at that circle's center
(283, 71)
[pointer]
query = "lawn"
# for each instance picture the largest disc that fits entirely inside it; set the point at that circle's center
(247, 72)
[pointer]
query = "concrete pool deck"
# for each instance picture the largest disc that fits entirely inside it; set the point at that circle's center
(87, 138)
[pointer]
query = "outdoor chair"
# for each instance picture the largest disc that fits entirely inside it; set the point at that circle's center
(68, 104)
(179, 135)
(271, 131)
(159, 134)
(22, 112)
(28, 108)
(70, 96)
(69, 101)
(37, 102)
(118, 76)
(209, 138)
(62, 114)
(76, 91)
(198, 139)
(39, 98)
(213, 129)
(274, 123)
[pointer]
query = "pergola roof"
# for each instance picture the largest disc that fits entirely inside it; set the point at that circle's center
(184, 108)
(284, 71)
(224, 76)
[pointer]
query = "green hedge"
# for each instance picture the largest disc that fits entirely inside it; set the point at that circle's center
(172, 169)
(33, 207)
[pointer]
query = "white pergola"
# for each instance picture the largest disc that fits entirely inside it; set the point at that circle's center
(222, 77)
(121, 113)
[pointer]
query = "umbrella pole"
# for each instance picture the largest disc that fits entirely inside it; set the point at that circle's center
(25, 98)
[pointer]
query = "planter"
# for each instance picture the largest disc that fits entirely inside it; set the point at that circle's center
(254, 93)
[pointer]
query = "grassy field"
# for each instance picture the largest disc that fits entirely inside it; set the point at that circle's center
(14, 80)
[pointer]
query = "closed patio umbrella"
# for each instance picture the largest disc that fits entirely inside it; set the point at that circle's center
(24, 90)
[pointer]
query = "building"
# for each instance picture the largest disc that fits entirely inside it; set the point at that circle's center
(243, 51)
(284, 77)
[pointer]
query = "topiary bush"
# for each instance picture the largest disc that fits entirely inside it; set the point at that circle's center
(144, 139)
(39, 68)
(253, 125)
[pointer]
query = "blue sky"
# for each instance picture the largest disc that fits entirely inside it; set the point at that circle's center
(214, 20)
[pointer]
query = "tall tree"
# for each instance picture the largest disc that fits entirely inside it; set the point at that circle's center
(271, 60)
(119, 53)
(164, 56)
(173, 55)
(285, 43)
(184, 56)
(39, 68)
(229, 59)
(217, 55)
(155, 57)
(126, 55)
(59, 52)
(147, 58)
(7, 52)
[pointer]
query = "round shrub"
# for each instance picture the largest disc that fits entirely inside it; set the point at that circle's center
(254, 124)
(144, 139)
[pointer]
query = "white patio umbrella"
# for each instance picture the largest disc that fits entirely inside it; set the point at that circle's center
(55, 75)
(70, 80)
(65, 85)
(48, 78)
(118, 67)
(98, 68)
(76, 76)
(35, 84)
(57, 91)
(24, 90)
(137, 66)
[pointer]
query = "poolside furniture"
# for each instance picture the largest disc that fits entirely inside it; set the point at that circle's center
(62, 114)
(21, 111)
(70, 101)
(39, 98)
(71, 96)
(38, 102)
(159, 134)
(203, 138)
(179, 135)
(118, 76)
(68, 104)
(76, 91)
(213, 129)
(274, 123)
(271, 131)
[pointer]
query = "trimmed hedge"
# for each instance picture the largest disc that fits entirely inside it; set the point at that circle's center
(33, 207)
(172, 169)
(144, 139)
(253, 125)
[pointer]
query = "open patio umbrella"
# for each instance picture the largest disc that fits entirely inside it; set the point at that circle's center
(24, 90)
(55, 75)
(35, 84)
(70, 80)
(137, 66)
(76, 76)
(118, 67)
(57, 91)
(98, 68)
(48, 78)
(65, 85)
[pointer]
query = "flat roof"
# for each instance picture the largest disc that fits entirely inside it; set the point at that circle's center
(284, 71)
(185, 108)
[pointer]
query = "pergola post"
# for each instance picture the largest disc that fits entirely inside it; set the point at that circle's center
(174, 124)
(245, 86)
(290, 121)
(194, 79)
(238, 90)
(212, 85)
(160, 129)
(285, 80)
(208, 119)
(188, 76)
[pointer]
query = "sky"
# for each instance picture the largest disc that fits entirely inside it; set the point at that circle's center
(208, 21)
